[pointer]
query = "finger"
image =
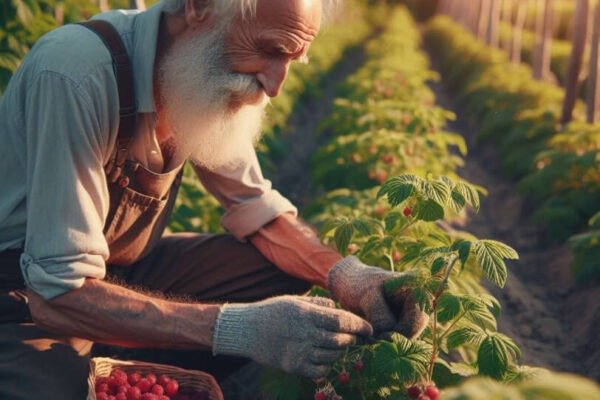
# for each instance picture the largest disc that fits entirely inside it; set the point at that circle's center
(325, 356)
(319, 301)
(345, 322)
(334, 341)
(377, 311)
(313, 371)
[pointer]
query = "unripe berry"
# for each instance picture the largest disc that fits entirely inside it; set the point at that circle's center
(343, 377)
(359, 365)
(320, 396)
(413, 392)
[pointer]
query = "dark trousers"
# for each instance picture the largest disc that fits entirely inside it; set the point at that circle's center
(35, 364)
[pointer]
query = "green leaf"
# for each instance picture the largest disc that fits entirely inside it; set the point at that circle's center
(465, 335)
(464, 249)
(413, 278)
(392, 219)
(492, 357)
(469, 193)
(491, 262)
(449, 307)
(424, 298)
(402, 359)
(343, 236)
(438, 265)
(478, 312)
(396, 192)
(457, 202)
(429, 211)
(437, 190)
(362, 227)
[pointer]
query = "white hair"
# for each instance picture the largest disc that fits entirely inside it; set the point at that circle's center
(247, 8)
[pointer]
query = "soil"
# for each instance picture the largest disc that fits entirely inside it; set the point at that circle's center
(555, 322)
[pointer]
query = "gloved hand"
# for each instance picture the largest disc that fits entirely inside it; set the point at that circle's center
(297, 334)
(359, 288)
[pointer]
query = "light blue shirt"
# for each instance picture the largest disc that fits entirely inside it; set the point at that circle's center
(58, 126)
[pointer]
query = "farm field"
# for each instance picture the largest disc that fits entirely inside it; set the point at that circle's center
(413, 141)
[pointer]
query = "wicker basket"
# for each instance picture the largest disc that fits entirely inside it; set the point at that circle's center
(200, 381)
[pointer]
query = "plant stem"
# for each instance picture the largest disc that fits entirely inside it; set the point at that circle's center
(452, 326)
(391, 261)
(440, 290)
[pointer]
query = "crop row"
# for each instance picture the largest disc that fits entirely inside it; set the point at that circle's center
(389, 170)
(558, 168)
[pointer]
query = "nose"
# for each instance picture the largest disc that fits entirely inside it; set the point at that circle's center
(273, 76)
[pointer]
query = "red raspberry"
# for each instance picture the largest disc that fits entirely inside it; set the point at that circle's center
(102, 388)
(149, 396)
(172, 387)
(407, 212)
(343, 377)
(122, 388)
(111, 397)
(144, 385)
(163, 397)
(396, 256)
(414, 392)
(117, 380)
(151, 377)
(163, 380)
(157, 390)
(359, 365)
(102, 396)
(134, 393)
(432, 392)
(117, 372)
(423, 397)
(121, 396)
(134, 378)
(320, 396)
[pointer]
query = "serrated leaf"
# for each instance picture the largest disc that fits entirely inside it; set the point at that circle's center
(412, 279)
(501, 249)
(402, 359)
(373, 243)
(469, 193)
(465, 335)
(331, 224)
(478, 312)
(392, 219)
(448, 307)
(457, 202)
(464, 249)
(491, 263)
(396, 192)
(463, 369)
(424, 298)
(343, 236)
(438, 265)
(428, 211)
(492, 357)
(437, 190)
(362, 227)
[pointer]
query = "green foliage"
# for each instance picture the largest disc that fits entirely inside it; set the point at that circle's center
(539, 384)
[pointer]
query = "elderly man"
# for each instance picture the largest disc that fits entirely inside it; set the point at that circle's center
(92, 142)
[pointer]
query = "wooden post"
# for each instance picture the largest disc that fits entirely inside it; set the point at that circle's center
(507, 9)
(541, 60)
(493, 24)
(593, 89)
(515, 55)
(484, 19)
(580, 26)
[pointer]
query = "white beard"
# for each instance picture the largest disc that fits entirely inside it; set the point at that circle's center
(199, 93)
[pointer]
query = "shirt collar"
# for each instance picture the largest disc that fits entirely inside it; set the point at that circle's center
(145, 36)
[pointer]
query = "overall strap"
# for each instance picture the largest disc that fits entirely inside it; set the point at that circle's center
(127, 104)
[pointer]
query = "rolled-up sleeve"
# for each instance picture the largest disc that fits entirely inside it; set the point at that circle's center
(247, 197)
(67, 196)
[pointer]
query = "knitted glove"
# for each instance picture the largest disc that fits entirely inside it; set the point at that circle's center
(302, 335)
(359, 288)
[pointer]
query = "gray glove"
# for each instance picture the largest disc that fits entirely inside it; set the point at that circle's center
(297, 334)
(359, 288)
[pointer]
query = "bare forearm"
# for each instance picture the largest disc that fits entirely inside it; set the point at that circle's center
(112, 314)
(294, 247)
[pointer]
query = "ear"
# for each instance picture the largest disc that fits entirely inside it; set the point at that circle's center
(197, 11)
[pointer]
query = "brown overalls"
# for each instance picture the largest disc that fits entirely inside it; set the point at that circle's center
(36, 364)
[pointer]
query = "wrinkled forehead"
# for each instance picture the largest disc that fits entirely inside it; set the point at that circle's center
(299, 18)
